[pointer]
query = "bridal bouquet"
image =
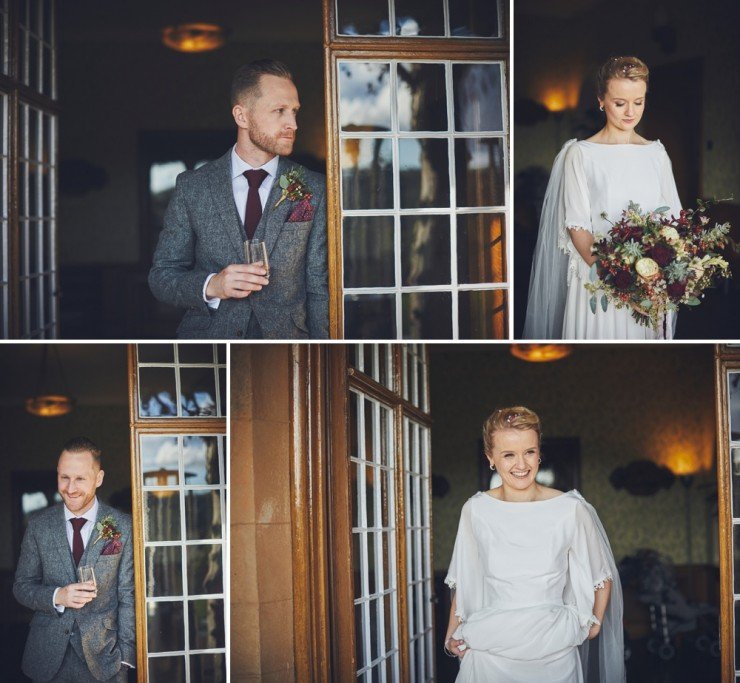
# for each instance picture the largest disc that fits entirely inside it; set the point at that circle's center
(654, 263)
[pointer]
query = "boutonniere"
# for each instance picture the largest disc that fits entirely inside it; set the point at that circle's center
(108, 531)
(293, 188)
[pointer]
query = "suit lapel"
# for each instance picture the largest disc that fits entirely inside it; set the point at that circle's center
(273, 218)
(93, 550)
(223, 197)
(60, 541)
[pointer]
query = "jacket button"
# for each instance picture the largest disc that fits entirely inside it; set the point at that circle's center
(239, 333)
(66, 631)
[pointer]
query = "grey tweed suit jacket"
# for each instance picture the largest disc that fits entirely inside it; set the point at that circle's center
(106, 624)
(203, 234)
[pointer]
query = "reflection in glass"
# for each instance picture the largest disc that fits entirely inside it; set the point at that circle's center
(425, 250)
(198, 392)
(479, 172)
(425, 180)
(474, 18)
(482, 314)
(200, 459)
(166, 669)
(422, 103)
(202, 514)
(737, 634)
(360, 636)
(160, 459)
(478, 101)
(367, 242)
(735, 473)
(736, 557)
(367, 173)
(161, 516)
(221, 353)
(427, 315)
(481, 249)
(362, 18)
(163, 571)
(222, 391)
(205, 569)
(358, 538)
(206, 624)
(164, 627)
(419, 18)
(208, 668)
(195, 353)
(733, 382)
(369, 316)
(156, 353)
(364, 96)
(157, 392)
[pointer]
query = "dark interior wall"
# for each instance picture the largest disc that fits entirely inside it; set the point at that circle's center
(556, 48)
(623, 402)
(110, 91)
(33, 444)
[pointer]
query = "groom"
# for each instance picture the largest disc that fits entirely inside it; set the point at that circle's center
(252, 192)
(82, 632)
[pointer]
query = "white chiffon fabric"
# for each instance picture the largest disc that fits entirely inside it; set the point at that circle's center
(589, 179)
(524, 576)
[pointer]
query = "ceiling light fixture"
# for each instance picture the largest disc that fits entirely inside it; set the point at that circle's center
(193, 37)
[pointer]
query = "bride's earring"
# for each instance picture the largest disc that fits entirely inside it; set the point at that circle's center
(539, 461)
(601, 107)
(492, 467)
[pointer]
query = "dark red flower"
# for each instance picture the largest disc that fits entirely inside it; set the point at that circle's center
(623, 279)
(676, 289)
(662, 254)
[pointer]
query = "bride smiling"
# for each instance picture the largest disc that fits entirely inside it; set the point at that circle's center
(532, 573)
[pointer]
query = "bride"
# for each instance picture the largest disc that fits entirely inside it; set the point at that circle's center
(535, 587)
(589, 178)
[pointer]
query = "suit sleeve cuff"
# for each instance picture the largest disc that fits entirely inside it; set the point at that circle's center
(58, 608)
(215, 301)
(130, 666)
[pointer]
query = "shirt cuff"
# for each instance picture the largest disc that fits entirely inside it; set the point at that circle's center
(130, 666)
(215, 301)
(58, 608)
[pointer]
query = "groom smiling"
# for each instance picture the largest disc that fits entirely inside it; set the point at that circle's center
(82, 632)
(253, 192)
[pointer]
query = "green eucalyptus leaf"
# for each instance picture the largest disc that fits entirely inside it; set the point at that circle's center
(693, 301)
(604, 303)
(646, 304)
(592, 303)
(662, 209)
(593, 274)
(284, 182)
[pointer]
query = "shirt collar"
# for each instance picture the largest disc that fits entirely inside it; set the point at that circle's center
(238, 165)
(91, 515)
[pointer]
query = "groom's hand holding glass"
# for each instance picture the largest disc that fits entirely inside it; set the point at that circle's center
(237, 281)
(76, 595)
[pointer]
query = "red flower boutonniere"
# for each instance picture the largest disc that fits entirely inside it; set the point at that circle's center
(293, 188)
(108, 531)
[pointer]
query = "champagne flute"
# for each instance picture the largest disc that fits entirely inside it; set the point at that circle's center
(255, 251)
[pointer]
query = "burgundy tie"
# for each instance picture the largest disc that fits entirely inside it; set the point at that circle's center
(78, 546)
(253, 211)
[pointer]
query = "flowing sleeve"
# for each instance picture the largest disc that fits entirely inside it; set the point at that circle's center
(590, 565)
(576, 211)
(548, 277)
(668, 191)
(465, 574)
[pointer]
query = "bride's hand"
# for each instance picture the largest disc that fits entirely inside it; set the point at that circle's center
(594, 631)
(454, 647)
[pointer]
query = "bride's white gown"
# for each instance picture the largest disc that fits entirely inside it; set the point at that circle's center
(601, 178)
(524, 576)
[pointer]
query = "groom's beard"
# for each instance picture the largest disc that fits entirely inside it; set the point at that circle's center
(272, 144)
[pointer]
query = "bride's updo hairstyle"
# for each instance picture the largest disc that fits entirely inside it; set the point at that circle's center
(621, 67)
(517, 417)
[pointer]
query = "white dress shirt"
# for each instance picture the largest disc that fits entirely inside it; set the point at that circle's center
(240, 189)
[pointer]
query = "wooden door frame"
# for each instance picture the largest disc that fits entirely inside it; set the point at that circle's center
(725, 359)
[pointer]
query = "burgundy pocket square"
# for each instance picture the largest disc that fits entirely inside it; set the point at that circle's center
(303, 212)
(113, 548)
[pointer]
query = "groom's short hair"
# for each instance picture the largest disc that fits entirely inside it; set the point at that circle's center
(246, 81)
(81, 444)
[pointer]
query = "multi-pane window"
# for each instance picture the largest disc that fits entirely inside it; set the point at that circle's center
(28, 155)
(374, 540)
(419, 152)
(428, 18)
(420, 591)
(389, 470)
(37, 222)
(179, 409)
